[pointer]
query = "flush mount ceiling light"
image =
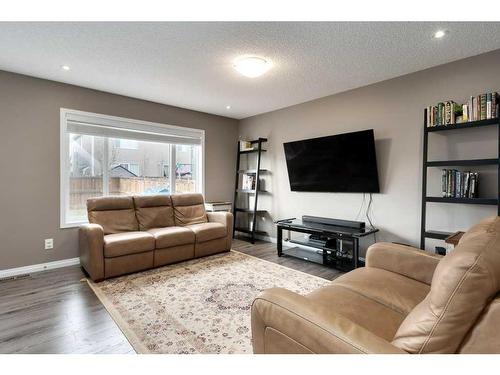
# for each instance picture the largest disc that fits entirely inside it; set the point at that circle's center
(65, 67)
(252, 66)
(439, 34)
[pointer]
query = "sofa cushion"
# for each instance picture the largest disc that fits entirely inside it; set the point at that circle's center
(129, 263)
(154, 211)
(387, 296)
(208, 231)
(463, 284)
(172, 236)
(189, 209)
(119, 244)
(376, 317)
(202, 249)
(114, 214)
(480, 340)
(395, 291)
(174, 254)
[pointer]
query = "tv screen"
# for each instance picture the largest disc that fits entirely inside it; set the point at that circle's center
(338, 163)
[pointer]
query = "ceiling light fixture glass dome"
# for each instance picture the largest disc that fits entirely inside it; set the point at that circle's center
(252, 66)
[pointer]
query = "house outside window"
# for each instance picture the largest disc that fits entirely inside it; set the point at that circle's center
(134, 168)
(165, 169)
(94, 163)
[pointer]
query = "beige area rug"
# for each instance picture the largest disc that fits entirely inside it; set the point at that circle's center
(198, 306)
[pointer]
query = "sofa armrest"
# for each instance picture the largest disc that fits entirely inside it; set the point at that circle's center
(404, 260)
(287, 322)
(223, 217)
(91, 244)
(226, 219)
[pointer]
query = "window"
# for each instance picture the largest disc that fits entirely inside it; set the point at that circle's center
(186, 178)
(126, 144)
(104, 155)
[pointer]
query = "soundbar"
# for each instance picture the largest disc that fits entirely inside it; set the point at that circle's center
(336, 222)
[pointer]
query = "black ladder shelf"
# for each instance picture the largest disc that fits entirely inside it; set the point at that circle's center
(252, 230)
(443, 129)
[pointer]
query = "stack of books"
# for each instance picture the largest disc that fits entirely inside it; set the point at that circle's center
(246, 146)
(457, 184)
(481, 107)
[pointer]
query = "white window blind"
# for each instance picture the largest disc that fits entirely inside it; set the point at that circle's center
(122, 128)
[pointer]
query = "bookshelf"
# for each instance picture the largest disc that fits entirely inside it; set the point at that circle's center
(445, 129)
(251, 230)
(461, 163)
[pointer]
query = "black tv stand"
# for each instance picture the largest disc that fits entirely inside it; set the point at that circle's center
(333, 242)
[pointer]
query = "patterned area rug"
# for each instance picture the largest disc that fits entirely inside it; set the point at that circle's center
(198, 306)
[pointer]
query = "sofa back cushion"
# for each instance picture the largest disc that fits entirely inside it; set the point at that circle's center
(483, 337)
(189, 209)
(154, 211)
(464, 283)
(114, 214)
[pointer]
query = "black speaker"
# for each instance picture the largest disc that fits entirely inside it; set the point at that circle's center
(337, 222)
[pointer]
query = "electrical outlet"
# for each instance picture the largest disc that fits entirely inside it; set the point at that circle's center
(49, 243)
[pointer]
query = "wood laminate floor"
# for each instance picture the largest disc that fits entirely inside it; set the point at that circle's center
(55, 312)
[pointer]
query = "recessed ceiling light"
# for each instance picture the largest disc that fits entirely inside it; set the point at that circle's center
(439, 34)
(228, 107)
(65, 67)
(252, 66)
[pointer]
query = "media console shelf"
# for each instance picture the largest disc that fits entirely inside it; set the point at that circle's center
(335, 240)
(444, 130)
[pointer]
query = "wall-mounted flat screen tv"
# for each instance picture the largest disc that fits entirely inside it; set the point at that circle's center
(338, 163)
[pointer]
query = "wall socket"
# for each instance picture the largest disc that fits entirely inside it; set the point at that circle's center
(49, 243)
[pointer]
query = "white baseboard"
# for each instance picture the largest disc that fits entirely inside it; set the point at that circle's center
(39, 267)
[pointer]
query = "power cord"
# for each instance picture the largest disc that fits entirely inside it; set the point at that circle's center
(361, 207)
(369, 215)
(369, 210)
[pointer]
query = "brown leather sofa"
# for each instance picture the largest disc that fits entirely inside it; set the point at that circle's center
(404, 301)
(133, 233)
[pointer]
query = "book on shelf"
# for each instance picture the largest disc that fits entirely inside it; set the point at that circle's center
(473, 107)
(481, 107)
(248, 182)
(465, 113)
(459, 184)
(447, 113)
(440, 113)
(494, 105)
(245, 145)
(488, 105)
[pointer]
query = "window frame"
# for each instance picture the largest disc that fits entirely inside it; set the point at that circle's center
(119, 122)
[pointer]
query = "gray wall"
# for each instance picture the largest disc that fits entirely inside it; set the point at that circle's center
(29, 159)
(29, 152)
(394, 109)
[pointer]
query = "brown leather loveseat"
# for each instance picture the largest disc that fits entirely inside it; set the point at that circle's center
(133, 233)
(404, 301)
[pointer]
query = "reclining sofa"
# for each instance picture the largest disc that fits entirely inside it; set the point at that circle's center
(404, 301)
(133, 233)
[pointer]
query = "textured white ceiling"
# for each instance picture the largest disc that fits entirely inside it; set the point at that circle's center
(190, 64)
